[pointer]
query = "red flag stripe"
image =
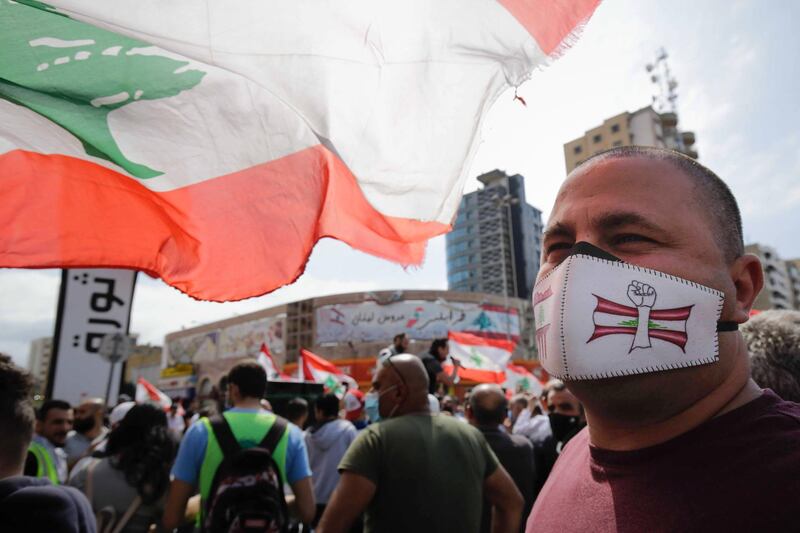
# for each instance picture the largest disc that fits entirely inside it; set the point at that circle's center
(678, 338)
(613, 308)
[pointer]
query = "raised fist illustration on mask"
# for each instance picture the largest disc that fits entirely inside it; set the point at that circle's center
(641, 294)
(643, 297)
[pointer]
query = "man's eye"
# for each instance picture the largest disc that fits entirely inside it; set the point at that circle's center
(630, 237)
(558, 246)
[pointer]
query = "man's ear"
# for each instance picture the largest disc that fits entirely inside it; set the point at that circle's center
(233, 392)
(748, 278)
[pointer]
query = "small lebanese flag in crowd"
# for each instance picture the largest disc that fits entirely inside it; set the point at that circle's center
(482, 360)
(519, 379)
(320, 370)
(146, 392)
(180, 140)
(268, 363)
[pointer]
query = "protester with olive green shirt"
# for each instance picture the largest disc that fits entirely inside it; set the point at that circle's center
(417, 471)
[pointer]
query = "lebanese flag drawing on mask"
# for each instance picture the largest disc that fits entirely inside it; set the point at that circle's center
(268, 363)
(146, 392)
(482, 360)
(212, 144)
(519, 379)
(320, 370)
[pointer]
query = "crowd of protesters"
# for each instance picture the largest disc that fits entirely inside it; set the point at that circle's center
(708, 448)
(490, 450)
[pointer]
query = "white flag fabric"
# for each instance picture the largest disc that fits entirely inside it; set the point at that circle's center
(214, 143)
(146, 392)
(268, 364)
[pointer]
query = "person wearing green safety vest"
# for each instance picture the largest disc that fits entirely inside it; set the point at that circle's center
(46, 456)
(200, 454)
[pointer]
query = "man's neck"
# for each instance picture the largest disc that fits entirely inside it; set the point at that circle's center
(736, 390)
(248, 403)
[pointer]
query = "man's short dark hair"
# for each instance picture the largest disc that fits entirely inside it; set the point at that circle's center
(328, 405)
(250, 377)
(16, 411)
(773, 340)
(435, 345)
(49, 405)
(715, 196)
(489, 411)
(296, 409)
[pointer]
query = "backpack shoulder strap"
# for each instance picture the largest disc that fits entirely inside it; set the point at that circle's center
(222, 430)
(273, 436)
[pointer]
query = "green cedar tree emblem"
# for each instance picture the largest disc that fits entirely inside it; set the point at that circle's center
(75, 74)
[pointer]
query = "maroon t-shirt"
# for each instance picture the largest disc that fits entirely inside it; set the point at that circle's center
(737, 472)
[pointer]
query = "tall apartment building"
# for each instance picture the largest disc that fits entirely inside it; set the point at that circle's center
(496, 231)
(39, 361)
(644, 127)
(781, 280)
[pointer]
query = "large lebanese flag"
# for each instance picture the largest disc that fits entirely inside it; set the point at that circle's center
(213, 143)
(482, 359)
(320, 370)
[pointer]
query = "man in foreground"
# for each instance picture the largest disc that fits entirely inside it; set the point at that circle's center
(28, 503)
(698, 448)
(418, 472)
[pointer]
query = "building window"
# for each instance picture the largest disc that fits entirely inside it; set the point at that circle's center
(578, 149)
(617, 143)
(597, 138)
(615, 128)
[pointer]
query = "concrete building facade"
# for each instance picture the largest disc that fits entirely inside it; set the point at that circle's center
(39, 357)
(496, 239)
(781, 279)
(644, 127)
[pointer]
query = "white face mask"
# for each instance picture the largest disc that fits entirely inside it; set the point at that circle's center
(598, 317)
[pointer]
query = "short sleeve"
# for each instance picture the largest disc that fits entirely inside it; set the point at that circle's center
(363, 455)
(490, 459)
(191, 453)
(297, 466)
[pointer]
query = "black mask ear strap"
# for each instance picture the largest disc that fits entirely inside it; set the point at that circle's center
(727, 326)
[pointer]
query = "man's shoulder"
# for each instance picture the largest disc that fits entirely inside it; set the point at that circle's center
(37, 505)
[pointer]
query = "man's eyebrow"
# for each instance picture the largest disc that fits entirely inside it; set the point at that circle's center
(557, 230)
(611, 221)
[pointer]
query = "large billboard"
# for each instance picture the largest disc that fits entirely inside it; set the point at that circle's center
(238, 340)
(373, 322)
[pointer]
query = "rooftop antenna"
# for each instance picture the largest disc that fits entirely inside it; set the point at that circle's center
(664, 84)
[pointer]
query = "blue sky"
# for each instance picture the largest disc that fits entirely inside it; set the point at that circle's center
(736, 63)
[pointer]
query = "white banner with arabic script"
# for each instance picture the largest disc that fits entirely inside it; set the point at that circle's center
(372, 322)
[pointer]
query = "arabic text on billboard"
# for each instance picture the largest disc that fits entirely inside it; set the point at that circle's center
(372, 322)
